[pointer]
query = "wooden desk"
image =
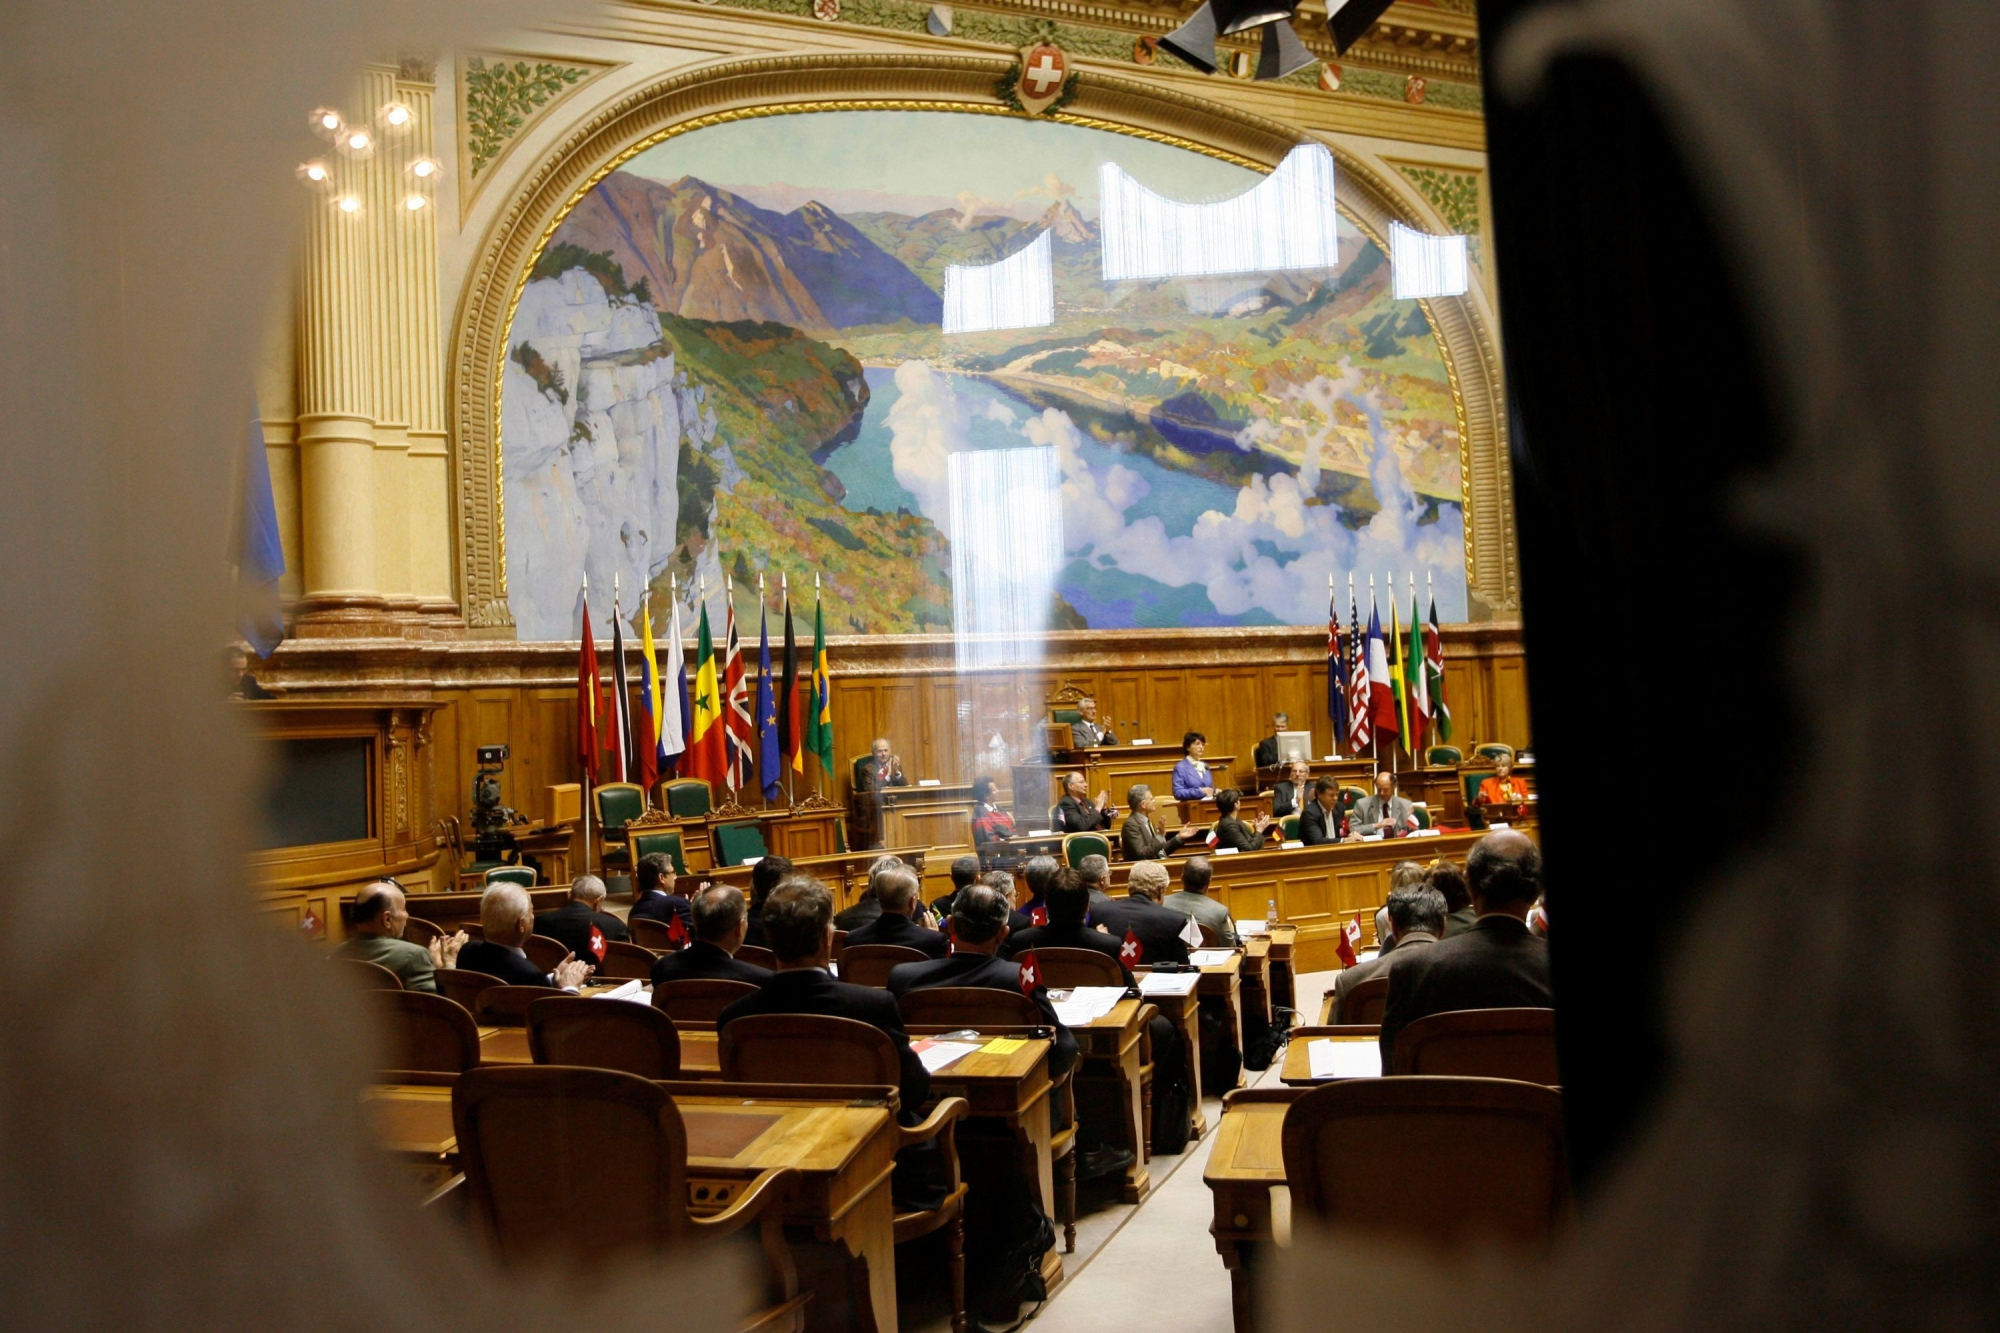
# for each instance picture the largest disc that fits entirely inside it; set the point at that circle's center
(1347, 772)
(547, 848)
(700, 1049)
(1184, 1012)
(803, 831)
(1108, 1087)
(1297, 1069)
(1223, 982)
(1110, 768)
(1257, 977)
(846, 873)
(1245, 1169)
(1276, 947)
(936, 817)
(839, 1218)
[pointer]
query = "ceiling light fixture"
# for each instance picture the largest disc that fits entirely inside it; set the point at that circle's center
(348, 203)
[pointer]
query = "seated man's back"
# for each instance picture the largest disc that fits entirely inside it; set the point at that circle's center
(721, 920)
(979, 929)
(581, 925)
(898, 892)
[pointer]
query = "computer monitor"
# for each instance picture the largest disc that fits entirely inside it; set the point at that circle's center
(1295, 747)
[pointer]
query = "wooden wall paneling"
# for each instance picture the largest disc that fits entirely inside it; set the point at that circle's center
(855, 724)
(1291, 690)
(1120, 696)
(1510, 695)
(1163, 712)
(899, 715)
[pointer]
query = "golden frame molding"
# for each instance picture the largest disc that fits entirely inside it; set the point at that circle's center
(737, 89)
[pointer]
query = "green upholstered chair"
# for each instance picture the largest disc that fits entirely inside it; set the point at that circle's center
(1349, 796)
(1492, 750)
(522, 875)
(1068, 715)
(1444, 754)
(644, 842)
(618, 804)
(1470, 780)
(686, 798)
(1076, 846)
(737, 843)
(840, 836)
(1423, 815)
(1291, 828)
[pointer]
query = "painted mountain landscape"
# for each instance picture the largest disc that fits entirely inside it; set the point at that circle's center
(729, 360)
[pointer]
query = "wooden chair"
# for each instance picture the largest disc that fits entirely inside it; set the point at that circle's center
(1444, 756)
(869, 964)
(815, 1048)
(839, 945)
(1067, 968)
(1481, 1043)
(737, 843)
(507, 1006)
(758, 955)
(1076, 846)
(522, 875)
(686, 798)
(642, 842)
(427, 1033)
(525, 1133)
(699, 1001)
(545, 953)
(603, 1034)
(654, 935)
(419, 931)
(1347, 1159)
(969, 1007)
(625, 962)
(456, 983)
(618, 804)
(364, 975)
(1365, 1003)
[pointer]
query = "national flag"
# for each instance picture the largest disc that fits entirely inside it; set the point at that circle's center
(1414, 681)
(736, 705)
(1031, 972)
(1336, 671)
(1359, 730)
(671, 717)
(1434, 674)
(769, 767)
(1191, 933)
(1381, 695)
(590, 709)
(705, 758)
(621, 697)
(677, 743)
(677, 931)
(819, 723)
(1038, 916)
(597, 943)
(1397, 659)
(648, 729)
(260, 555)
(791, 741)
(1344, 948)
(1130, 952)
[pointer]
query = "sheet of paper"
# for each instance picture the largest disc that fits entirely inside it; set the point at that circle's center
(631, 990)
(1004, 1045)
(937, 1054)
(1041, 833)
(1291, 845)
(1253, 927)
(1168, 983)
(1357, 1058)
(1225, 851)
(1426, 833)
(1498, 824)
(1087, 1004)
(1210, 957)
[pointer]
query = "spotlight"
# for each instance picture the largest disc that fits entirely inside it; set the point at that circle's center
(359, 142)
(348, 203)
(414, 202)
(315, 172)
(326, 121)
(396, 114)
(423, 168)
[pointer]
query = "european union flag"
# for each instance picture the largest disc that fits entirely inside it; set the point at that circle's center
(770, 762)
(260, 556)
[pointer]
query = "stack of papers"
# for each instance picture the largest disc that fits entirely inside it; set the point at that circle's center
(1168, 983)
(1210, 957)
(632, 990)
(937, 1054)
(1086, 1004)
(1349, 1057)
(1253, 928)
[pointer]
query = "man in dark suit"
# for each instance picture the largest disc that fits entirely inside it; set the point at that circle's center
(1155, 929)
(798, 922)
(660, 898)
(1291, 795)
(1069, 903)
(1142, 841)
(898, 891)
(1321, 820)
(581, 925)
(1495, 965)
(872, 772)
(766, 875)
(720, 920)
(964, 871)
(1416, 916)
(1266, 753)
(507, 918)
(1077, 813)
(1096, 872)
(868, 906)
(978, 932)
(1002, 883)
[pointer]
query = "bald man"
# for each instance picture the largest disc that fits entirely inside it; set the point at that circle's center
(380, 913)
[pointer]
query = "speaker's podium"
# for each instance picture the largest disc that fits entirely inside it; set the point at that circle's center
(1504, 812)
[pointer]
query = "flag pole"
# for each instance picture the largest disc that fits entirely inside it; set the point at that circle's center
(1374, 732)
(587, 786)
(1350, 671)
(1333, 719)
(785, 760)
(760, 670)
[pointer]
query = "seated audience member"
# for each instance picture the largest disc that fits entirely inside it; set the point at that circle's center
(978, 933)
(964, 871)
(1140, 918)
(721, 920)
(1503, 788)
(1402, 875)
(897, 891)
(991, 825)
(1322, 820)
(1193, 900)
(1143, 842)
(1088, 731)
(1495, 965)
(1096, 873)
(507, 917)
(1266, 753)
(1233, 832)
(865, 907)
(581, 925)
(1448, 879)
(1075, 813)
(1002, 883)
(1384, 812)
(1069, 903)
(660, 898)
(380, 913)
(1289, 796)
(766, 875)
(1416, 916)
(798, 922)
(1037, 872)
(1192, 780)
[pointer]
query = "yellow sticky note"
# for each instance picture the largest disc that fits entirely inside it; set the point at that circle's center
(1004, 1045)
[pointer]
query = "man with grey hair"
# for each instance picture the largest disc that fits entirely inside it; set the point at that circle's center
(721, 919)
(581, 925)
(1144, 842)
(867, 907)
(1002, 883)
(507, 918)
(1096, 872)
(1156, 930)
(873, 771)
(897, 891)
(379, 915)
(1416, 918)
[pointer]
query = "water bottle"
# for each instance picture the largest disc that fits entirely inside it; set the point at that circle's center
(1271, 913)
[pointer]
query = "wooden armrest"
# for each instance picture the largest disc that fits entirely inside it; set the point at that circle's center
(444, 1191)
(1241, 1095)
(943, 1114)
(749, 1205)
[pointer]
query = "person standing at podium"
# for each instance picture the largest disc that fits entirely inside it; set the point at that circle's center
(1075, 813)
(1192, 781)
(877, 769)
(1089, 731)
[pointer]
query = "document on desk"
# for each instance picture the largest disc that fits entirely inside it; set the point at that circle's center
(1253, 928)
(1168, 983)
(937, 1054)
(1356, 1057)
(633, 990)
(1210, 957)
(1086, 1004)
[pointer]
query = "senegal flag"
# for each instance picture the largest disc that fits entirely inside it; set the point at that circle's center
(1398, 671)
(705, 754)
(1415, 686)
(819, 720)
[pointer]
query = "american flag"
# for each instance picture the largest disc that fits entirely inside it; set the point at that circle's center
(1358, 734)
(738, 731)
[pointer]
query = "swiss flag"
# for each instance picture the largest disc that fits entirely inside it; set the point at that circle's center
(1031, 972)
(1039, 916)
(1131, 951)
(311, 926)
(1350, 936)
(597, 942)
(677, 931)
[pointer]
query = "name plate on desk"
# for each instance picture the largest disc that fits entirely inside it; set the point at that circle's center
(930, 782)
(1143, 740)
(1225, 851)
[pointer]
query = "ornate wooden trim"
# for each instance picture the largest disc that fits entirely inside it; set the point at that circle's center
(779, 85)
(813, 802)
(653, 819)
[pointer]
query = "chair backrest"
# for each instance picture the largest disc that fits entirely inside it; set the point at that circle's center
(618, 804)
(869, 964)
(1481, 1043)
(644, 842)
(364, 975)
(579, 1167)
(969, 1006)
(1210, 937)
(603, 1034)
(625, 962)
(507, 1006)
(1079, 845)
(1422, 812)
(545, 953)
(1348, 1159)
(737, 843)
(522, 875)
(839, 945)
(427, 1032)
(1490, 750)
(757, 956)
(1065, 968)
(1291, 827)
(456, 983)
(655, 935)
(807, 1048)
(700, 999)
(1069, 715)
(686, 798)
(1365, 1003)
(419, 931)
(1444, 754)
(1349, 796)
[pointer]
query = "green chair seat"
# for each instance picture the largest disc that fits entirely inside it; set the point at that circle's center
(1444, 754)
(644, 843)
(1079, 845)
(1422, 814)
(1291, 828)
(737, 843)
(1471, 781)
(687, 798)
(618, 804)
(522, 875)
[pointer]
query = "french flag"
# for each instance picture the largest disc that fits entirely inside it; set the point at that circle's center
(1381, 693)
